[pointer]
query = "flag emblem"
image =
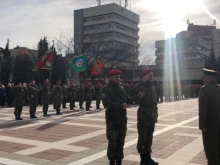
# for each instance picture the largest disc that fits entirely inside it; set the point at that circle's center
(79, 63)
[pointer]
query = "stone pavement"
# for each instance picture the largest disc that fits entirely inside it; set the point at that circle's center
(78, 137)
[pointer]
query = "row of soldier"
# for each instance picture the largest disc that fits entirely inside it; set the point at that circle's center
(58, 94)
(165, 92)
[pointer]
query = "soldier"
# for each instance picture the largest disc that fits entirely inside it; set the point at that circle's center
(81, 92)
(33, 98)
(209, 116)
(53, 95)
(147, 117)
(45, 91)
(64, 95)
(98, 93)
(72, 94)
(88, 96)
(57, 97)
(114, 100)
(18, 93)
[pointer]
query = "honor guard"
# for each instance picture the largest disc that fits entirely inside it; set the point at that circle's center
(114, 100)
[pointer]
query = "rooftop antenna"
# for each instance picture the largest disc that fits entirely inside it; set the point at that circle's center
(214, 22)
(126, 3)
(98, 2)
(188, 21)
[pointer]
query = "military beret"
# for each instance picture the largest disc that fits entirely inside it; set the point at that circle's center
(88, 82)
(46, 79)
(58, 81)
(114, 72)
(210, 72)
(146, 72)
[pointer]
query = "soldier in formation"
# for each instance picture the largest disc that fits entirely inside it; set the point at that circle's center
(33, 98)
(114, 100)
(81, 93)
(45, 97)
(18, 93)
(57, 97)
(146, 116)
(98, 93)
(64, 95)
(88, 95)
(72, 95)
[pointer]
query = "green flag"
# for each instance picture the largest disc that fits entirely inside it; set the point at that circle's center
(79, 63)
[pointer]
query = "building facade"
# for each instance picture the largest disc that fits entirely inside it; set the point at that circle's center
(183, 57)
(109, 31)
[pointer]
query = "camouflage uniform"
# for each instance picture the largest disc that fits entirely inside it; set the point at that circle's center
(64, 96)
(72, 96)
(146, 116)
(81, 93)
(18, 94)
(113, 98)
(98, 92)
(88, 97)
(45, 98)
(57, 98)
(33, 94)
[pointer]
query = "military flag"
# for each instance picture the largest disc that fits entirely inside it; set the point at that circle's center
(97, 68)
(79, 63)
(46, 61)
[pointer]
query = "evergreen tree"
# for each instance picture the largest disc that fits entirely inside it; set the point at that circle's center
(42, 47)
(22, 69)
(6, 66)
(211, 62)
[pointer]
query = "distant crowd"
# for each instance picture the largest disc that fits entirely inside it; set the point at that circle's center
(165, 92)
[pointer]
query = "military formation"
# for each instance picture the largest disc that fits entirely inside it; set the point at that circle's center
(116, 96)
(59, 95)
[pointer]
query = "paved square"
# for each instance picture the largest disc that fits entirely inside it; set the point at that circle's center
(78, 137)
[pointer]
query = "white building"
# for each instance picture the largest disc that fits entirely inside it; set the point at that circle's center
(111, 29)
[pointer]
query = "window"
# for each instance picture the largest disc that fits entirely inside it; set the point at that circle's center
(102, 17)
(109, 16)
(86, 19)
(94, 18)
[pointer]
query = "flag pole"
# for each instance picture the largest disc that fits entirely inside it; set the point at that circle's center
(52, 62)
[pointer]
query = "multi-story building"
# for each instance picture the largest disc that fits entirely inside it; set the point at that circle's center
(110, 31)
(183, 57)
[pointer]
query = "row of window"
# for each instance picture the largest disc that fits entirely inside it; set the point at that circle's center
(110, 16)
(105, 27)
(192, 47)
(104, 36)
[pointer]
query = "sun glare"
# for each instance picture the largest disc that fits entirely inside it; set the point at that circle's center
(172, 12)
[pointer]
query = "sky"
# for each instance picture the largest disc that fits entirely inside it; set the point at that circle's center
(24, 22)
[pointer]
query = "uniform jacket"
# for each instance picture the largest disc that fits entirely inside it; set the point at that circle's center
(209, 107)
(113, 97)
(149, 100)
(18, 93)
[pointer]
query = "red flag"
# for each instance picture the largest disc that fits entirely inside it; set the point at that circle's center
(46, 61)
(97, 68)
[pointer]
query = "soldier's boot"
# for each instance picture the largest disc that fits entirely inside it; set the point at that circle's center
(144, 160)
(19, 118)
(118, 162)
(111, 162)
(149, 159)
(58, 112)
